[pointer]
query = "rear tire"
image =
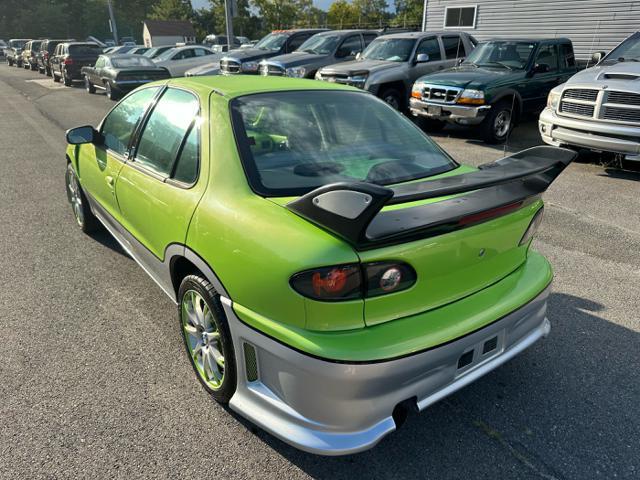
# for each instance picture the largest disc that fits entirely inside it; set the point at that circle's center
(67, 82)
(88, 85)
(55, 78)
(85, 218)
(499, 122)
(207, 338)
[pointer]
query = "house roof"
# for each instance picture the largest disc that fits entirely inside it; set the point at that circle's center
(170, 28)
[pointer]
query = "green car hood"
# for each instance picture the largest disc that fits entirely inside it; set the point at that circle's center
(471, 77)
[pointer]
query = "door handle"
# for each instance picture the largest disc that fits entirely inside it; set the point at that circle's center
(110, 181)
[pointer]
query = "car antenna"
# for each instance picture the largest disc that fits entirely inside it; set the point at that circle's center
(593, 41)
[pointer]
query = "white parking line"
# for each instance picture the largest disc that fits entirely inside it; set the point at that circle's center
(47, 83)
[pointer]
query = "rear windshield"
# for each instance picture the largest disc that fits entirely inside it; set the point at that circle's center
(294, 142)
(138, 61)
(85, 50)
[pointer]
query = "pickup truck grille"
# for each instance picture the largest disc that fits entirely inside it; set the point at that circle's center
(436, 93)
(229, 66)
(271, 70)
(604, 105)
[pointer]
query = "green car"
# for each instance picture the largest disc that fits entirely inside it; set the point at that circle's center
(497, 83)
(331, 265)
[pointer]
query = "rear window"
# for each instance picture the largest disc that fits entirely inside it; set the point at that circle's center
(137, 61)
(84, 50)
(294, 142)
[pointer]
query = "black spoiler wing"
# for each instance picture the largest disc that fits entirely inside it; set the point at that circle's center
(352, 211)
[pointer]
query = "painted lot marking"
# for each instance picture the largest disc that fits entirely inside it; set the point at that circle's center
(47, 83)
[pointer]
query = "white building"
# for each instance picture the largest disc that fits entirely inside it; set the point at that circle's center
(156, 33)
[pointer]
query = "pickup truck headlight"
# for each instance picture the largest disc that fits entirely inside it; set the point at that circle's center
(250, 67)
(553, 100)
(296, 72)
(417, 89)
(471, 97)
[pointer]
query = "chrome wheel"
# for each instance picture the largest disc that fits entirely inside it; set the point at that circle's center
(202, 336)
(75, 196)
(502, 123)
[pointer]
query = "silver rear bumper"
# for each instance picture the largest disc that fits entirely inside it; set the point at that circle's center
(556, 130)
(332, 408)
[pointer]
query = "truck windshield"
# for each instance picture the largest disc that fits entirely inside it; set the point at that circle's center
(320, 44)
(627, 51)
(293, 142)
(389, 49)
(502, 54)
(272, 42)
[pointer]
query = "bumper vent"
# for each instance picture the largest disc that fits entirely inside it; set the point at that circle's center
(465, 359)
(250, 362)
(490, 345)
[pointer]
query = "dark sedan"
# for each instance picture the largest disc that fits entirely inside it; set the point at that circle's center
(119, 74)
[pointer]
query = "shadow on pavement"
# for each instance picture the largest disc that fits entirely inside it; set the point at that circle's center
(565, 408)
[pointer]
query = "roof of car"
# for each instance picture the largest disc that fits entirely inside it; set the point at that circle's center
(527, 40)
(415, 34)
(239, 85)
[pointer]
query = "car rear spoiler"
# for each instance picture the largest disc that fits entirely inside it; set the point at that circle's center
(353, 211)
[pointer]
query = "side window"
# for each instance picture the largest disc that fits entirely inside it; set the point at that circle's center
(186, 169)
(119, 125)
(453, 47)
(567, 57)
(165, 129)
(100, 63)
(296, 41)
(350, 46)
(368, 38)
(200, 52)
(431, 47)
(548, 55)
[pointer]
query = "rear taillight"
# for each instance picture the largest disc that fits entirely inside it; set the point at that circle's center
(68, 61)
(533, 227)
(353, 281)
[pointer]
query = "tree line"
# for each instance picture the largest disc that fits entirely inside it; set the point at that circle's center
(254, 18)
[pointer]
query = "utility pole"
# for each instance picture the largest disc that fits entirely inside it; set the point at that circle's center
(229, 12)
(112, 23)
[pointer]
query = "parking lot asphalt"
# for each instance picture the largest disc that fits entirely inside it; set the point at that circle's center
(94, 381)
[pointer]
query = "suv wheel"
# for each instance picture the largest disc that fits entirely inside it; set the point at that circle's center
(498, 124)
(392, 97)
(207, 338)
(79, 204)
(55, 77)
(88, 85)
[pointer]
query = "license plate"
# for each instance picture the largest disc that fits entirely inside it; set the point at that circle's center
(434, 110)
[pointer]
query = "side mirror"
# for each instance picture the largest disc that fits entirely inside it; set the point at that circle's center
(597, 56)
(422, 58)
(80, 135)
(541, 68)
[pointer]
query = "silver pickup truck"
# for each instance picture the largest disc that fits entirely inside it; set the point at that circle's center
(599, 108)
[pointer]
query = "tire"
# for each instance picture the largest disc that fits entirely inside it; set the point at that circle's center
(55, 77)
(85, 219)
(392, 97)
(88, 85)
(112, 93)
(67, 82)
(494, 129)
(207, 338)
(430, 125)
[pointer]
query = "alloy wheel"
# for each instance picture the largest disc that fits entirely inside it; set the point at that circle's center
(202, 336)
(502, 123)
(75, 197)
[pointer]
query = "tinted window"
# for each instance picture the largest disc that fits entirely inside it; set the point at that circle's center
(431, 47)
(296, 42)
(453, 47)
(119, 125)
(188, 53)
(350, 46)
(548, 55)
(201, 52)
(187, 167)
(368, 38)
(84, 50)
(293, 142)
(165, 130)
(460, 17)
(567, 58)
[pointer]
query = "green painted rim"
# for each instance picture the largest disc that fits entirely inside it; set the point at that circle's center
(202, 337)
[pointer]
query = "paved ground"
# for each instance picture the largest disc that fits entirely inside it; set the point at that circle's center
(94, 382)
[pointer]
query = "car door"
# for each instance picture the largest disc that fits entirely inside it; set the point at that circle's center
(95, 72)
(541, 82)
(182, 61)
(431, 47)
(99, 164)
(295, 41)
(200, 57)
(158, 188)
(349, 47)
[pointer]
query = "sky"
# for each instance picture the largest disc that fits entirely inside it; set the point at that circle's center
(323, 4)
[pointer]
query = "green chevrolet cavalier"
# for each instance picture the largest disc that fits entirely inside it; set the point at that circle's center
(331, 265)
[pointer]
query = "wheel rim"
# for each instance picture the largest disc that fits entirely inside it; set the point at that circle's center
(502, 123)
(202, 337)
(75, 197)
(393, 101)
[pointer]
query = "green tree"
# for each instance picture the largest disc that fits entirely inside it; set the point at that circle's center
(172, 10)
(408, 13)
(279, 14)
(371, 13)
(342, 14)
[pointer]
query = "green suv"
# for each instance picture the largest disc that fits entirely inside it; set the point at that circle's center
(331, 266)
(498, 82)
